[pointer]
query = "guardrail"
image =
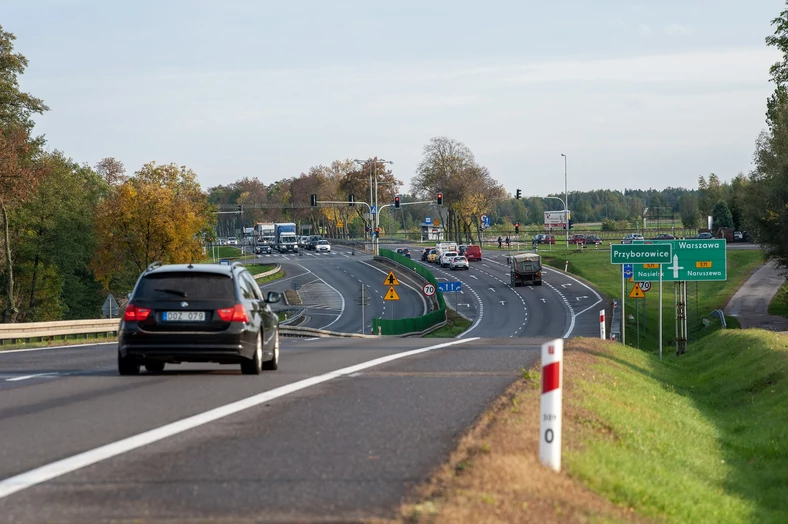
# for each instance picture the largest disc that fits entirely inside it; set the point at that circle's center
(49, 330)
(287, 331)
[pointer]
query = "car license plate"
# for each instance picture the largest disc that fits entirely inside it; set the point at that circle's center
(183, 316)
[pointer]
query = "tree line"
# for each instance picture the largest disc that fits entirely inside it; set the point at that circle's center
(71, 232)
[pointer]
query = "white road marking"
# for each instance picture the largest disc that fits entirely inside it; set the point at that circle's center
(473, 276)
(342, 309)
(25, 377)
(56, 469)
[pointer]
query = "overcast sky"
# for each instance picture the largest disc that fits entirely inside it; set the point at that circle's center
(638, 95)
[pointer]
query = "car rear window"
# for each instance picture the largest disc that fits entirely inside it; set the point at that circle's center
(195, 286)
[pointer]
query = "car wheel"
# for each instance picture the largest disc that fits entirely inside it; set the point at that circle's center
(154, 366)
(273, 364)
(127, 365)
(254, 365)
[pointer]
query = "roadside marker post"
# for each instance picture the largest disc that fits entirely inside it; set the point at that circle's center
(550, 422)
(602, 324)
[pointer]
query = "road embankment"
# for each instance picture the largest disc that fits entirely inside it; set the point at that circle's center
(701, 438)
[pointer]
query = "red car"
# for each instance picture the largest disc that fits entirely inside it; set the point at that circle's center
(578, 239)
(473, 253)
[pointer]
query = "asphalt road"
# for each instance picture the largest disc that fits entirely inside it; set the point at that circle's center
(316, 440)
(562, 307)
(329, 285)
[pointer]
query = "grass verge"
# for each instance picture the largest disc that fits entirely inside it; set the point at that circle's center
(702, 438)
(703, 297)
(455, 324)
(779, 304)
(80, 339)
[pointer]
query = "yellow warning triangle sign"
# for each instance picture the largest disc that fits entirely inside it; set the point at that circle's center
(392, 295)
(637, 292)
(391, 280)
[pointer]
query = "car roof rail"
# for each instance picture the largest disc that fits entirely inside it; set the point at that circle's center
(154, 265)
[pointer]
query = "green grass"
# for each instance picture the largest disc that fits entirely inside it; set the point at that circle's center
(455, 324)
(595, 267)
(61, 341)
(701, 438)
(779, 304)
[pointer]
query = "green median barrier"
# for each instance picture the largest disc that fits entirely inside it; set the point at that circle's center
(402, 326)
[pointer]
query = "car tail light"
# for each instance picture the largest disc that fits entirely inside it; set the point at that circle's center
(233, 314)
(134, 313)
(538, 273)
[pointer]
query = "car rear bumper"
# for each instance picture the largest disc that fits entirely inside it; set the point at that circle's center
(222, 348)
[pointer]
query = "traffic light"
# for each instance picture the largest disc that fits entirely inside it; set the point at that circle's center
(518, 194)
(313, 200)
(570, 223)
(240, 208)
(440, 199)
(396, 201)
(351, 200)
(516, 228)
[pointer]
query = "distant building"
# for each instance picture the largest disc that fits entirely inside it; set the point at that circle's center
(431, 232)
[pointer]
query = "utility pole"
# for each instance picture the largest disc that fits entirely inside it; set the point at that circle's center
(566, 203)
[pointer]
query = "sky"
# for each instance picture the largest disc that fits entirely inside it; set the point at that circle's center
(636, 95)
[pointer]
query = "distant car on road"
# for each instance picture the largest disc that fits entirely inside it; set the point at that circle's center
(664, 236)
(433, 256)
(630, 237)
(705, 236)
(405, 252)
(459, 262)
(323, 246)
(593, 240)
(446, 258)
(198, 313)
(738, 236)
(425, 254)
(578, 239)
(232, 241)
(473, 253)
(262, 249)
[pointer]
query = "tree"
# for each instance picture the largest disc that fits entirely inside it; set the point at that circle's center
(765, 206)
(111, 170)
(16, 107)
(18, 173)
(158, 214)
(688, 209)
(721, 215)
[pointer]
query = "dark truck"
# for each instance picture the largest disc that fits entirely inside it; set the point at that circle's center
(526, 268)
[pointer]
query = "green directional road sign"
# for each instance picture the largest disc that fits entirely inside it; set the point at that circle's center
(693, 260)
(640, 253)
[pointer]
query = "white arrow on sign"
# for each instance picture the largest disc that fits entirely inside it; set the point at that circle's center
(675, 266)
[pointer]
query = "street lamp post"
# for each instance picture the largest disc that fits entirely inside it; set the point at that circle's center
(376, 219)
(566, 203)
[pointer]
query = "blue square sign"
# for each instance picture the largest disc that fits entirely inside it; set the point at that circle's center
(628, 270)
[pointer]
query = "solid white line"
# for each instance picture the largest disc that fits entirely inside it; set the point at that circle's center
(3, 352)
(342, 309)
(56, 469)
(25, 377)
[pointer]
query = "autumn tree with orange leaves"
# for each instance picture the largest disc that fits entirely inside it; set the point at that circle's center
(159, 214)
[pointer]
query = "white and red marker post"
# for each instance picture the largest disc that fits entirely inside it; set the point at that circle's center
(550, 423)
(602, 324)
